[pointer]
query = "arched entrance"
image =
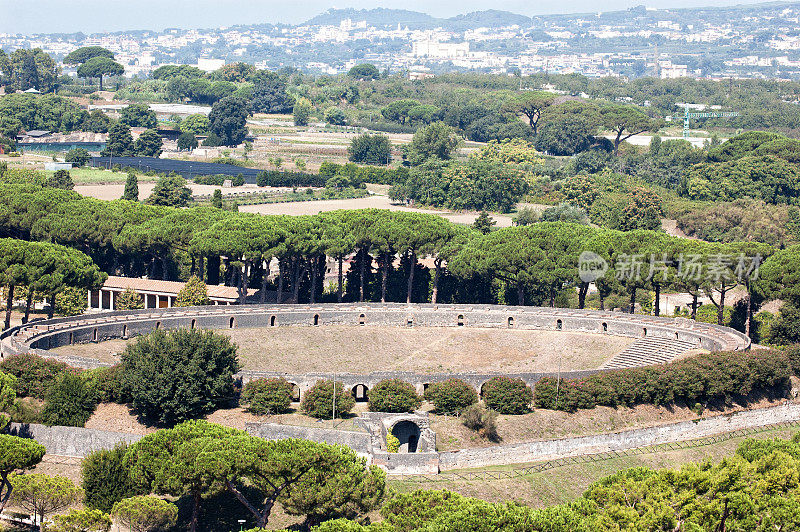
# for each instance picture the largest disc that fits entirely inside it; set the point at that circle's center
(408, 433)
(359, 392)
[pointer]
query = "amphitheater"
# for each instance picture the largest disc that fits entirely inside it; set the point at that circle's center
(647, 340)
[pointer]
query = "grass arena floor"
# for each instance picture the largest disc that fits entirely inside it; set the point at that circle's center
(423, 350)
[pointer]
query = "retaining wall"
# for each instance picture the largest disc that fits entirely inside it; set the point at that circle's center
(71, 441)
(358, 441)
(617, 441)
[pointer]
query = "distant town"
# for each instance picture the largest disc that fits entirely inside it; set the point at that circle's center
(757, 41)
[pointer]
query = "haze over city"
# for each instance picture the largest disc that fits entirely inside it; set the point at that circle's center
(89, 16)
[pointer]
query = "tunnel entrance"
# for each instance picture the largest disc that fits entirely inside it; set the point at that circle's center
(408, 433)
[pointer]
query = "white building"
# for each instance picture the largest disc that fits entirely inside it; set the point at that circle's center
(439, 50)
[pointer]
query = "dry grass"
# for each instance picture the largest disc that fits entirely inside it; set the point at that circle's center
(423, 350)
(550, 424)
(566, 483)
(120, 418)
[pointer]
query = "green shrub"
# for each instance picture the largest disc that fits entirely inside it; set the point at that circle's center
(179, 375)
(84, 520)
(35, 375)
(71, 401)
(507, 395)
(130, 299)
(318, 400)
(25, 411)
(70, 302)
(451, 396)
(483, 421)
(106, 479)
(110, 387)
(393, 395)
(700, 379)
(267, 396)
(392, 443)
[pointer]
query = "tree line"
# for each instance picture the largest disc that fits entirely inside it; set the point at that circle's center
(534, 264)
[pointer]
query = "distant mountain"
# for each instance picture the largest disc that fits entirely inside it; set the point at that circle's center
(491, 18)
(383, 17)
(375, 17)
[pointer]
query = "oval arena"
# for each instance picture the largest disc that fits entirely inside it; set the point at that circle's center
(651, 340)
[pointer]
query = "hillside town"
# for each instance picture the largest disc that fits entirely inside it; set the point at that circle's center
(762, 42)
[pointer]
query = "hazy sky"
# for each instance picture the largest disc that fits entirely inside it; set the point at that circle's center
(48, 16)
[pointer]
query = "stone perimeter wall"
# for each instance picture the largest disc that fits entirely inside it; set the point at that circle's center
(618, 441)
(41, 336)
(72, 441)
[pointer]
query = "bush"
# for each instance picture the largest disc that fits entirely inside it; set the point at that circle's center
(392, 443)
(106, 479)
(213, 140)
(144, 513)
(274, 178)
(267, 396)
(110, 388)
(700, 379)
(35, 375)
(193, 294)
(318, 400)
(482, 421)
(393, 395)
(129, 300)
(370, 149)
(81, 521)
(71, 401)
(78, 156)
(70, 302)
(507, 395)
(451, 396)
(25, 411)
(179, 375)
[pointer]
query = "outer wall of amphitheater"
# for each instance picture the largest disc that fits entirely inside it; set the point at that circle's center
(41, 336)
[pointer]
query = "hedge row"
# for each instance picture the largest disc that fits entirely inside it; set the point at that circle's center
(275, 178)
(700, 379)
(358, 175)
(72, 395)
(219, 179)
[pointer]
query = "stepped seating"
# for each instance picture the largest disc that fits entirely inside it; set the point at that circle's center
(648, 351)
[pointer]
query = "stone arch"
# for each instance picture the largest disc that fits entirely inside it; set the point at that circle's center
(273, 321)
(676, 335)
(94, 334)
(359, 392)
(460, 320)
(408, 433)
(510, 322)
(124, 331)
(194, 324)
(605, 327)
(559, 325)
(361, 319)
(71, 338)
(232, 323)
(644, 332)
(295, 392)
(316, 319)
(157, 326)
